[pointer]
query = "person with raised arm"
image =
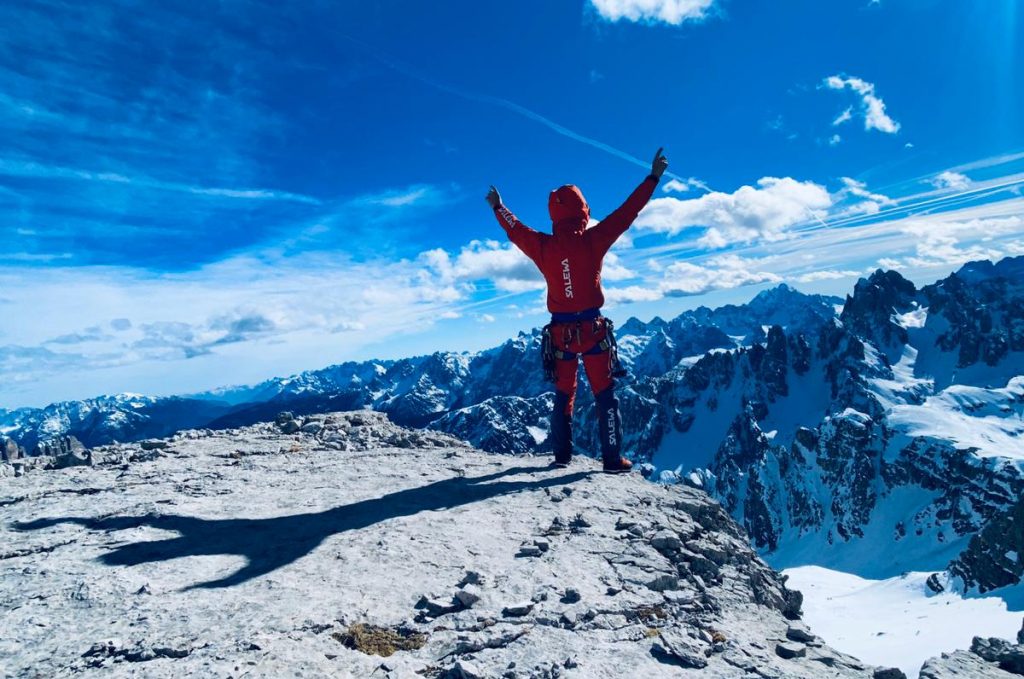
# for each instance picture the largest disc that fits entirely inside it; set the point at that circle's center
(570, 258)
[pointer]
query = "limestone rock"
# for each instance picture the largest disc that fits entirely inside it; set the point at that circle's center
(790, 650)
(301, 555)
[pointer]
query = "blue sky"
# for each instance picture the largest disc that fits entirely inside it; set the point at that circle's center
(200, 194)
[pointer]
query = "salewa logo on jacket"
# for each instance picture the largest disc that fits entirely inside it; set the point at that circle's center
(506, 215)
(566, 278)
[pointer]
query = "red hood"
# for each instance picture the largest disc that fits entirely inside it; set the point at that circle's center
(569, 210)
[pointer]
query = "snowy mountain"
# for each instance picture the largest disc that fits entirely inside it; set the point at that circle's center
(876, 435)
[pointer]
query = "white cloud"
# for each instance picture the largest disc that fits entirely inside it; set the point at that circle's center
(718, 273)
(615, 270)
(504, 264)
(955, 242)
(239, 320)
(825, 275)
(844, 116)
(673, 12)
(631, 294)
(860, 199)
(34, 170)
(681, 279)
(675, 185)
(834, 140)
(872, 106)
(750, 213)
(402, 198)
(950, 180)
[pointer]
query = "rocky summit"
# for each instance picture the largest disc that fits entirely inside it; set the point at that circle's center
(341, 544)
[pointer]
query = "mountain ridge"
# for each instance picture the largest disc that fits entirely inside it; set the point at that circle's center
(889, 419)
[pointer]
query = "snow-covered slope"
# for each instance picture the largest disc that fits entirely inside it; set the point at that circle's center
(896, 621)
(356, 548)
(887, 447)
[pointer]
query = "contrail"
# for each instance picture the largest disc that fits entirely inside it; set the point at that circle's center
(405, 70)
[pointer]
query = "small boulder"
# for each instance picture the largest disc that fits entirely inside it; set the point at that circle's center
(571, 596)
(888, 673)
(664, 583)
(290, 427)
(518, 610)
(464, 669)
(797, 631)
(313, 427)
(74, 454)
(666, 541)
(684, 650)
(153, 444)
(471, 578)
(790, 649)
(468, 595)
(529, 550)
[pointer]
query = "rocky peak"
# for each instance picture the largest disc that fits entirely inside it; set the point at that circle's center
(869, 311)
(982, 305)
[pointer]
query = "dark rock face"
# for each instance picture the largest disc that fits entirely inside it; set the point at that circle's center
(981, 303)
(994, 557)
(476, 423)
(868, 312)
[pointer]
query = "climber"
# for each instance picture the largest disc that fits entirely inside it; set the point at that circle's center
(570, 260)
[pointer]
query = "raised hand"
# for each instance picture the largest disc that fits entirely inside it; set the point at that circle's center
(493, 198)
(659, 165)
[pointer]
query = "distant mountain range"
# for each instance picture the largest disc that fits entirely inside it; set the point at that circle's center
(876, 434)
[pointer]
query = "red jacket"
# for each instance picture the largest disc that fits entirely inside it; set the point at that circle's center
(571, 257)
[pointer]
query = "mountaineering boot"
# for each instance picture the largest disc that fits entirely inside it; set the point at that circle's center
(620, 466)
(609, 425)
(561, 431)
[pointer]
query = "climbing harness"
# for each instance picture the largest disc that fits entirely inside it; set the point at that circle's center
(550, 353)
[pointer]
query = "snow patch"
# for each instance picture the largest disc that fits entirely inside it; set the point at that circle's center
(893, 622)
(539, 434)
(912, 319)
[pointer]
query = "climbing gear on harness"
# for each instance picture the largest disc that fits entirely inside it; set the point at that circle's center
(551, 353)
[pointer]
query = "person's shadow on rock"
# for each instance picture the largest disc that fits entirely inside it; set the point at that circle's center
(269, 544)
